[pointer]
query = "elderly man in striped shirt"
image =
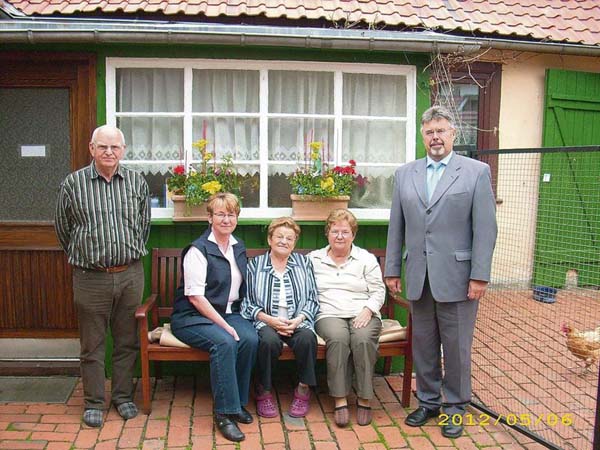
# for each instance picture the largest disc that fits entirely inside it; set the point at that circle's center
(103, 222)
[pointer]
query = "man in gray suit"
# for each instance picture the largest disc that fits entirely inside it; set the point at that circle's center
(443, 213)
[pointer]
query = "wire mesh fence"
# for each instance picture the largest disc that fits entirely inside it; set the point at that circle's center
(537, 342)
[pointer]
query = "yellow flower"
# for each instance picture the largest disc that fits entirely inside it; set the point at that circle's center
(328, 184)
(212, 187)
(207, 156)
(316, 145)
(200, 144)
(315, 149)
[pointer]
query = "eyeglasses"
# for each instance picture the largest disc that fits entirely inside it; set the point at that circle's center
(222, 216)
(440, 132)
(281, 238)
(345, 234)
(104, 148)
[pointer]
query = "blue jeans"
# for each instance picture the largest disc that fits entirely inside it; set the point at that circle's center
(231, 362)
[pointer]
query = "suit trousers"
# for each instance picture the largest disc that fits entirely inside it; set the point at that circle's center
(448, 326)
(106, 300)
(351, 352)
(304, 344)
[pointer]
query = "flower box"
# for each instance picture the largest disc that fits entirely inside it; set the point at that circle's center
(183, 212)
(316, 207)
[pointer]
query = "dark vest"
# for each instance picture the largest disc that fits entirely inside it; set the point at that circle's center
(218, 282)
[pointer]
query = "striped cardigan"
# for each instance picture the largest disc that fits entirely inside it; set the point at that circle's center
(264, 285)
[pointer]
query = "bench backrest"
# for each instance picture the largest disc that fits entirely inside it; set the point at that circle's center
(166, 277)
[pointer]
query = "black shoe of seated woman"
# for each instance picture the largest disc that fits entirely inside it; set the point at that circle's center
(242, 417)
(228, 428)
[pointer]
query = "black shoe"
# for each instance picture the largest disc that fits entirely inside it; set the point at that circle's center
(242, 417)
(228, 428)
(420, 416)
(452, 431)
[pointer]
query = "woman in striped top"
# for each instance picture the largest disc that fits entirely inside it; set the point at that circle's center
(282, 302)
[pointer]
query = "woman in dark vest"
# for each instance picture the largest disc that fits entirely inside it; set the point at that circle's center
(206, 314)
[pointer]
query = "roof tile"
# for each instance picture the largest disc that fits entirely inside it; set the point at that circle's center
(573, 21)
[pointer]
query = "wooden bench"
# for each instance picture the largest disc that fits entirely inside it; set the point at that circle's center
(166, 275)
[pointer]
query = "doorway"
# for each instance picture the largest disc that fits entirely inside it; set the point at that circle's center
(47, 114)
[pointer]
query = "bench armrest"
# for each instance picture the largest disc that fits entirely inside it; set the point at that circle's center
(142, 311)
(399, 301)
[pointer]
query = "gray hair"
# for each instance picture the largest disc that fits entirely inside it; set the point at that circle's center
(107, 128)
(436, 113)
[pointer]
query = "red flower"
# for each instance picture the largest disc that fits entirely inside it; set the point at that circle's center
(352, 163)
(179, 170)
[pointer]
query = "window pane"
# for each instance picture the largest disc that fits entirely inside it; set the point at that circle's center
(235, 136)
(156, 176)
(377, 193)
(250, 184)
(149, 90)
(300, 92)
(225, 91)
(374, 95)
(279, 186)
(289, 138)
(379, 141)
(463, 100)
(152, 138)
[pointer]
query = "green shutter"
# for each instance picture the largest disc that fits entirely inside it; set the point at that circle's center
(568, 221)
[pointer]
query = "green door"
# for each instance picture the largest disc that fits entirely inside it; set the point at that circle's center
(568, 219)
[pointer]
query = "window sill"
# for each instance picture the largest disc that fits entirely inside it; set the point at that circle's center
(161, 221)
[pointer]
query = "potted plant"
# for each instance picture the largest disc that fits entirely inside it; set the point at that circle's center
(317, 188)
(190, 190)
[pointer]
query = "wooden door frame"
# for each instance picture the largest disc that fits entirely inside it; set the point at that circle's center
(487, 76)
(76, 72)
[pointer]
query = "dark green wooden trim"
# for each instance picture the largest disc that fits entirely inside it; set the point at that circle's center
(162, 221)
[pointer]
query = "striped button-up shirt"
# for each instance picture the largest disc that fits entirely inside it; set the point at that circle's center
(264, 287)
(103, 224)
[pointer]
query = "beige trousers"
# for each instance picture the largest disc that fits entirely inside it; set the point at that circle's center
(351, 355)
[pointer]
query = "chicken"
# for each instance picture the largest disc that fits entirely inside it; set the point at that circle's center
(584, 345)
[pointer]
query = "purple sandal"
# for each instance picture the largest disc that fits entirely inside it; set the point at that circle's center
(300, 404)
(265, 406)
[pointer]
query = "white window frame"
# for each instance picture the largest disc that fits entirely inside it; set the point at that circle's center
(338, 69)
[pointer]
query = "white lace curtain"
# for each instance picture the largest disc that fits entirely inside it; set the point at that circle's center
(377, 136)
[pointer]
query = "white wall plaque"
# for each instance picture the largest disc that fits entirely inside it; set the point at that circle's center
(33, 150)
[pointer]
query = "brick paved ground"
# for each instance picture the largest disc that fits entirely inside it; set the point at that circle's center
(182, 419)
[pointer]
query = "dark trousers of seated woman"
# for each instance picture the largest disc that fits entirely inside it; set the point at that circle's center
(231, 361)
(304, 345)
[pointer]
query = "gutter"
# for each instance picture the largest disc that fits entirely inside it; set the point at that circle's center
(35, 30)
(93, 31)
(555, 48)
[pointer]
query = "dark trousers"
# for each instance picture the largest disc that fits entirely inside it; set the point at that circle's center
(231, 361)
(304, 345)
(106, 300)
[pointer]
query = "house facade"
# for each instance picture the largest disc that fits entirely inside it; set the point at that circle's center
(259, 83)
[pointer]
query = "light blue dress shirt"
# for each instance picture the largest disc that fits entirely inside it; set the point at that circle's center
(435, 170)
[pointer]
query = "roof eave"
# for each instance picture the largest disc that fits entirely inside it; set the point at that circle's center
(33, 30)
(47, 30)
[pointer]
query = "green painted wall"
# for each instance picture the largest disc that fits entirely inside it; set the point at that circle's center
(568, 221)
(165, 233)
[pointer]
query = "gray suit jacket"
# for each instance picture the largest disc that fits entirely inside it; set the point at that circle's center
(451, 238)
